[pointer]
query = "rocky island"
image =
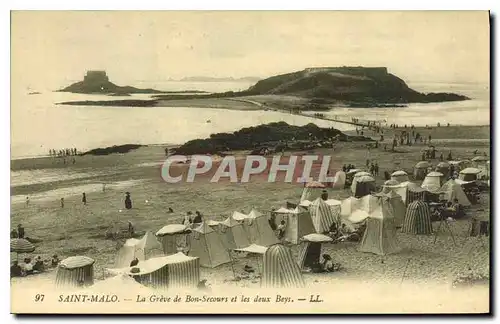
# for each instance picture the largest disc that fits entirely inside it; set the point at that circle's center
(312, 89)
(273, 137)
(97, 82)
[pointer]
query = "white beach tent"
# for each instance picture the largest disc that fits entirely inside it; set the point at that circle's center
(256, 225)
(340, 178)
(233, 234)
(453, 190)
(399, 176)
(143, 249)
(298, 223)
(380, 233)
(206, 244)
(173, 237)
(239, 216)
(432, 181)
(312, 190)
(172, 271)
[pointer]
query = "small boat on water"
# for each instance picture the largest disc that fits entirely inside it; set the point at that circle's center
(34, 93)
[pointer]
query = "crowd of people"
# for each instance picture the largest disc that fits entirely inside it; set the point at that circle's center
(28, 267)
(63, 152)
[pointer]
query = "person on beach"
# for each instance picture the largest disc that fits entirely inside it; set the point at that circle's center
(170, 210)
(13, 234)
(39, 266)
(128, 201)
(327, 263)
(55, 261)
(27, 201)
(134, 262)
(324, 195)
(130, 229)
(103, 187)
(84, 199)
(62, 202)
(198, 219)
(272, 220)
(281, 229)
(20, 231)
(187, 219)
(376, 168)
(27, 266)
(16, 270)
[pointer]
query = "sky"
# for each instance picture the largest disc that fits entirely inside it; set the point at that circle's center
(57, 47)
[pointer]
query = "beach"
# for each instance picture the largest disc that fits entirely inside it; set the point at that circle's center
(80, 230)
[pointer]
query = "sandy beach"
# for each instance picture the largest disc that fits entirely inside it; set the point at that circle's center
(80, 230)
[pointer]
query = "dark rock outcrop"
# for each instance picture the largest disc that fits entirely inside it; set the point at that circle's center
(113, 149)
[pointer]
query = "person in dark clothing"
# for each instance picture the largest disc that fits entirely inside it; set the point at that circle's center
(281, 229)
(20, 231)
(84, 198)
(55, 260)
(344, 168)
(198, 218)
(16, 270)
(441, 157)
(449, 158)
(272, 220)
(13, 234)
(376, 169)
(134, 262)
(170, 210)
(387, 175)
(131, 230)
(39, 266)
(324, 195)
(128, 201)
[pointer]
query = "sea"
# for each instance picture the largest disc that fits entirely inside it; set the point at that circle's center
(39, 124)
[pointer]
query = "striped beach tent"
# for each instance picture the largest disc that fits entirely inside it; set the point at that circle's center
(75, 271)
(310, 249)
(232, 234)
(417, 218)
(397, 206)
(172, 237)
(172, 271)
(322, 216)
(20, 245)
(206, 244)
(280, 270)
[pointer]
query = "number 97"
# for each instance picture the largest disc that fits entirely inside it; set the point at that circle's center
(39, 297)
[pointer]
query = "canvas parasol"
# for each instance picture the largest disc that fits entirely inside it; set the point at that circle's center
(20, 245)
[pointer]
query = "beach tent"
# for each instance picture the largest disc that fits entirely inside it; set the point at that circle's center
(469, 174)
(386, 187)
(280, 270)
(213, 224)
(233, 234)
(239, 216)
(401, 189)
(206, 244)
(322, 215)
(399, 176)
(417, 218)
(310, 249)
(420, 170)
(380, 233)
(298, 223)
(355, 178)
(432, 181)
(172, 271)
(75, 271)
(312, 190)
(348, 205)
(444, 168)
(173, 237)
(362, 186)
(453, 190)
(339, 182)
(397, 206)
(256, 225)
